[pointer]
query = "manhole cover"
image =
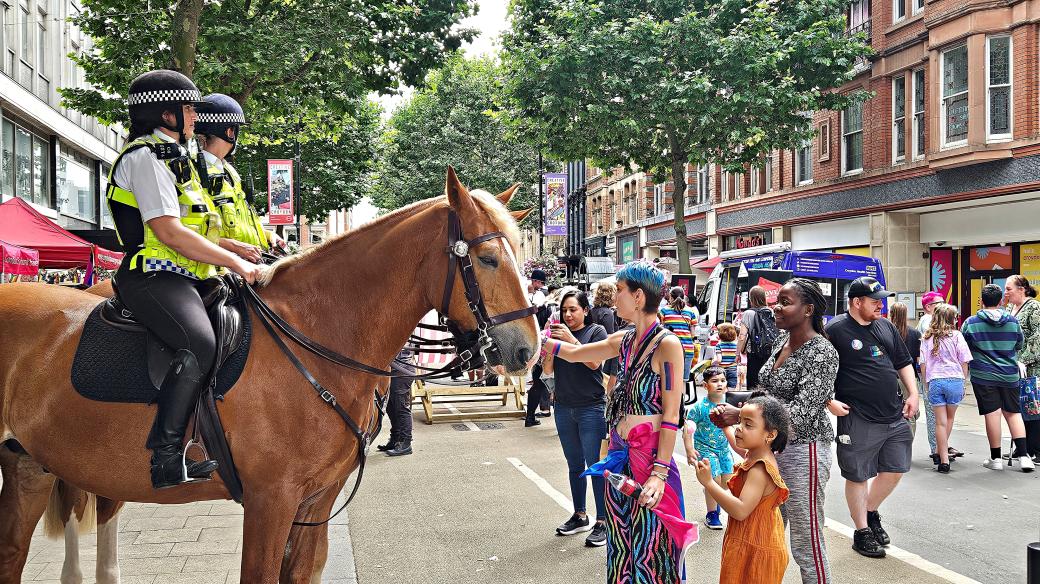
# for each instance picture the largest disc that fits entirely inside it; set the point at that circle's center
(490, 425)
(460, 427)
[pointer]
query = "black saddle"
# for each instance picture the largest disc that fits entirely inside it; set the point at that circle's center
(119, 360)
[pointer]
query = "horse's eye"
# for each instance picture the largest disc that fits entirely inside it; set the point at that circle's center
(489, 261)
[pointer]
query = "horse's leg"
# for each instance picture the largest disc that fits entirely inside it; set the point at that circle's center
(107, 566)
(308, 547)
(267, 521)
(26, 490)
(70, 570)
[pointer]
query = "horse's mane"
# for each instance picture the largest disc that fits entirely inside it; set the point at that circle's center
(498, 212)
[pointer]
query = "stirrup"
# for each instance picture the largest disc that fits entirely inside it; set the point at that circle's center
(184, 462)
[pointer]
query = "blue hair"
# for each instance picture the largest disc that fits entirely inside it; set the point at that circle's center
(639, 275)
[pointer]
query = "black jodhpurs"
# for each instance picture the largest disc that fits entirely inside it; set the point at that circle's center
(170, 306)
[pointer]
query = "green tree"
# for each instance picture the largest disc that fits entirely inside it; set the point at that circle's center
(455, 119)
(670, 82)
(307, 65)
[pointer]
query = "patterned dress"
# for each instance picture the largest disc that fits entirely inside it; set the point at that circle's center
(639, 547)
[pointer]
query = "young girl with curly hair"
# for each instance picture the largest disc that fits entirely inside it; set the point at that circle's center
(944, 367)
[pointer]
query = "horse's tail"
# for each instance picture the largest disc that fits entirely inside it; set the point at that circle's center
(65, 499)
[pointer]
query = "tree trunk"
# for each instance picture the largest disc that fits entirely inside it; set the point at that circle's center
(678, 159)
(185, 36)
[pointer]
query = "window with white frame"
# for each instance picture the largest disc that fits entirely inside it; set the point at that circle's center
(998, 88)
(43, 84)
(738, 179)
(724, 191)
(954, 76)
(918, 6)
(898, 10)
(852, 139)
(918, 129)
(767, 174)
(898, 119)
(756, 181)
(803, 161)
(25, 76)
(703, 172)
(659, 199)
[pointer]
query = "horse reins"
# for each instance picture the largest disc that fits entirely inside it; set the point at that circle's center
(485, 347)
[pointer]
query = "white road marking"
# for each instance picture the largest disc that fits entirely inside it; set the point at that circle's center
(543, 484)
(908, 557)
(893, 551)
(468, 423)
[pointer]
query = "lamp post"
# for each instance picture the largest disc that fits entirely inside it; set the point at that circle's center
(541, 204)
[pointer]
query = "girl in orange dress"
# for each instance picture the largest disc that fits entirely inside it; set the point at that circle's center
(754, 548)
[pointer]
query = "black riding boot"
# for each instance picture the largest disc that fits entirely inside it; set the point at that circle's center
(177, 398)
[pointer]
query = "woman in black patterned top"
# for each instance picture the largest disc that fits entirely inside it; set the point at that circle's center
(801, 373)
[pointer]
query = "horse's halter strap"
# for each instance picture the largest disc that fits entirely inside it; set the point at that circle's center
(459, 260)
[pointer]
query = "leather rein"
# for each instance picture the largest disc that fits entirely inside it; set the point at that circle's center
(470, 358)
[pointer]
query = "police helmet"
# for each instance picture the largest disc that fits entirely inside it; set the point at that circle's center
(216, 114)
(157, 91)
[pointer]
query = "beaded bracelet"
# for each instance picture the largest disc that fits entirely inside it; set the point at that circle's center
(661, 476)
(669, 426)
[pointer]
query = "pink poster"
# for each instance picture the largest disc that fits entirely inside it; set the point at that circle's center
(942, 273)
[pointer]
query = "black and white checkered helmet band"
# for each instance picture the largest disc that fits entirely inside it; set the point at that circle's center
(165, 96)
(221, 118)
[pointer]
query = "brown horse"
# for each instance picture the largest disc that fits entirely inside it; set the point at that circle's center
(360, 294)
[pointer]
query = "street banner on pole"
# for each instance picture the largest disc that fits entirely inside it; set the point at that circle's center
(280, 192)
(555, 189)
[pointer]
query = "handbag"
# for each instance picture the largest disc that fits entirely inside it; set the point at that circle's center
(1029, 398)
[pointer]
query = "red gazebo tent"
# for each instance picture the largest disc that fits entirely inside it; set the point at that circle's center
(18, 261)
(24, 226)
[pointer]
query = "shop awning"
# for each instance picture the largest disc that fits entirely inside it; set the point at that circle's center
(20, 261)
(24, 226)
(707, 264)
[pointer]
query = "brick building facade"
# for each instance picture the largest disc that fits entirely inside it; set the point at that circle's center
(937, 174)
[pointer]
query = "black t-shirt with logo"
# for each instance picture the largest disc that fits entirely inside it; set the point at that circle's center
(576, 385)
(868, 359)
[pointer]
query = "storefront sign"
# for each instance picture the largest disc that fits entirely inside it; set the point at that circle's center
(554, 185)
(1029, 261)
(280, 192)
(627, 249)
(749, 240)
(991, 258)
(942, 273)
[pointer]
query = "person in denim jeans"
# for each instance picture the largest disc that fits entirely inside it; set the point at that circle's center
(944, 367)
(581, 423)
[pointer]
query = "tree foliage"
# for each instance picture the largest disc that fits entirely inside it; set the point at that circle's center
(454, 120)
(668, 82)
(301, 70)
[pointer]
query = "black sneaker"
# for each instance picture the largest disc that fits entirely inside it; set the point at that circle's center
(865, 544)
(944, 468)
(576, 524)
(532, 422)
(598, 537)
(543, 413)
(874, 523)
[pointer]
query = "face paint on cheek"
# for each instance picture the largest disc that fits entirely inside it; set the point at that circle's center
(667, 376)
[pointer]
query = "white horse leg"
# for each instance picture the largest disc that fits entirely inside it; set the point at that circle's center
(108, 551)
(70, 572)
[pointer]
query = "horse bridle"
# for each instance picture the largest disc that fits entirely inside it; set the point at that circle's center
(458, 260)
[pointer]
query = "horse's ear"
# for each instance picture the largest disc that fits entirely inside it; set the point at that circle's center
(507, 194)
(458, 197)
(522, 214)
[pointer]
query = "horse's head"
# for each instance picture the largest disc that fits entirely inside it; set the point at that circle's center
(495, 271)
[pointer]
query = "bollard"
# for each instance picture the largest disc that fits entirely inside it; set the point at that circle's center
(1033, 563)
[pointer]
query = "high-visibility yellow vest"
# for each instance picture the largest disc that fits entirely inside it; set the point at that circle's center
(197, 214)
(239, 219)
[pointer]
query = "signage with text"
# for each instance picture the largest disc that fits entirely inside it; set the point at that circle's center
(280, 192)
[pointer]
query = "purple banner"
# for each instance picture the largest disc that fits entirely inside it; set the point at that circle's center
(554, 185)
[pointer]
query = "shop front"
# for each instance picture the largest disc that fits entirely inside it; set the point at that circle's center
(746, 240)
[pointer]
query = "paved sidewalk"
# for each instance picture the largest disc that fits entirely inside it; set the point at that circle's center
(197, 543)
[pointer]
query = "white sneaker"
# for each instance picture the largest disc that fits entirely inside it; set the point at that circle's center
(1026, 463)
(994, 464)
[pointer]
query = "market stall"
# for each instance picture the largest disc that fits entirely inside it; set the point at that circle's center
(72, 257)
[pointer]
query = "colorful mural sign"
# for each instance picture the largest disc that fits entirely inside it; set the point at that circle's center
(554, 185)
(991, 258)
(942, 273)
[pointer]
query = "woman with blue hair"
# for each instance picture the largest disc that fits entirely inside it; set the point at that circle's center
(646, 537)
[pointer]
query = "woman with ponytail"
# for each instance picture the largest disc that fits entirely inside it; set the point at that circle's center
(1021, 298)
(800, 372)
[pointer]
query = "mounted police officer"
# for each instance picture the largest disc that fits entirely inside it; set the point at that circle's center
(220, 119)
(169, 228)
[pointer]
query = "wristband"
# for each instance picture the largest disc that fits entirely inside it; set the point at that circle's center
(661, 464)
(556, 349)
(670, 426)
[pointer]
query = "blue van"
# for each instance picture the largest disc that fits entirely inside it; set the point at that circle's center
(725, 295)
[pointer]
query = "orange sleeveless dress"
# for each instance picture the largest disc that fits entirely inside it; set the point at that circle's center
(755, 549)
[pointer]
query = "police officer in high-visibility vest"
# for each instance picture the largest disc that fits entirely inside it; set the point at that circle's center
(169, 229)
(220, 120)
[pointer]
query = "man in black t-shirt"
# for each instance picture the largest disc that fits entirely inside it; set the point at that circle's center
(874, 438)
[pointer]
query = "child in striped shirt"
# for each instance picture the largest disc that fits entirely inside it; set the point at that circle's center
(726, 353)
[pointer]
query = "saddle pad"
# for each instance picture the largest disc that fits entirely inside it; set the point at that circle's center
(111, 365)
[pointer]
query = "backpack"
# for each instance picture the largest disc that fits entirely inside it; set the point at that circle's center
(762, 334)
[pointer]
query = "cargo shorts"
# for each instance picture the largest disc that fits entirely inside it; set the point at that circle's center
(867, 448)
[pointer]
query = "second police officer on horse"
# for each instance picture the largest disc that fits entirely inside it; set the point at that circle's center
(170, 230)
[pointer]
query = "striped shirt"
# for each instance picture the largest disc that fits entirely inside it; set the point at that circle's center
(993, 342)
(681, 323)
(727, 354)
